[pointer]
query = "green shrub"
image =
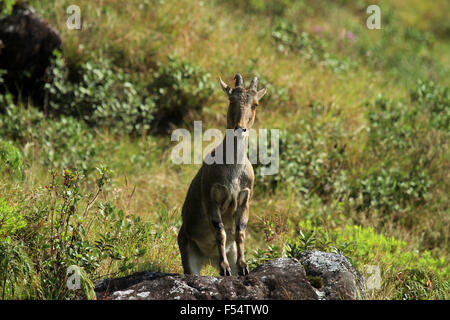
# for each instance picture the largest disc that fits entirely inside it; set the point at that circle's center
(66, 227)
(10, 160)
(181, 90)
(368, 246)
(18, 123)
(6, 8)
(64, 142)
(101, 96)
(397, 125)
(62, 227)
(260, 256)
(400, 137)
(433, 101)
(122, 238)
(419, 284)
(106, 97)
(11, 220)
(287, 37)
(312, 48)
(392, 125)
(309, 162)
(16, 271)
(393, 189)
(68, 143)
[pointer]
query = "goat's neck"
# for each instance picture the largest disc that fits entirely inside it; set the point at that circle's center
(236, 149)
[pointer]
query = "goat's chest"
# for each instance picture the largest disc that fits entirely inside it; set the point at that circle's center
(229, 214)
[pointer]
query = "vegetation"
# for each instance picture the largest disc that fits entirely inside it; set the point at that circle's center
(86, 179)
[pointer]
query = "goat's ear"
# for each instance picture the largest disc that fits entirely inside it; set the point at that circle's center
(225, 87)
(261, 93)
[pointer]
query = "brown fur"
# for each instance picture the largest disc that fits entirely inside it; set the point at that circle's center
(216, 210)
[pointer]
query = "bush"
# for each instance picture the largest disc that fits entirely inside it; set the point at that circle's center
(101, 96)
(260, 256)
(397, 125)
(392, 125)
(393, 189)
(433, 101)
(287, 36)
(6, 8)
(106, 97)
(309, 162)
(64, 142)
(10, 220)
(181, 90)
(16, 271)
(312, 48)
(68, 143)
(10, 160)
(400, 135)
(18, 123)
(64, 227)
(419, 284)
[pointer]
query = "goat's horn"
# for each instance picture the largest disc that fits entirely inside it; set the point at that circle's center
(253, 84)
(239, 81)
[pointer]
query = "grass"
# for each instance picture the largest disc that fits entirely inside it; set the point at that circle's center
(369, 175)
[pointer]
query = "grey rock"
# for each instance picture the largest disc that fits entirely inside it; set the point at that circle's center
(277, 279)
(333, 276)
(283, 278)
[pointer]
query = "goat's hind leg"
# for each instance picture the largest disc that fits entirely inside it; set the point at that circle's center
(191, 258)
(220, 201)
(241, 225)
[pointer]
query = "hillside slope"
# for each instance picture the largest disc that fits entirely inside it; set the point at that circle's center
(87, 178)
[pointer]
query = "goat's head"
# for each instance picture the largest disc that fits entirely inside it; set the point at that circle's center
(243, 103)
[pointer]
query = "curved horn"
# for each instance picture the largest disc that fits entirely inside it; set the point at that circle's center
(239, 80)
(253, 84)
(224, 86)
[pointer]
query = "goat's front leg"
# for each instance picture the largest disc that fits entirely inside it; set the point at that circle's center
(221, 240)
(241, 225)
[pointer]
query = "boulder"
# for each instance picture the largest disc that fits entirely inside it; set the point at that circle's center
(26, 46)
(283, 278)
(333, 276)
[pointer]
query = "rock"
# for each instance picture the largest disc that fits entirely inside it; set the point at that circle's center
(27, 43)
(277, 279)
(333, 276)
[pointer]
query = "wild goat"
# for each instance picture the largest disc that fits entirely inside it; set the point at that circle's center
(216, 210)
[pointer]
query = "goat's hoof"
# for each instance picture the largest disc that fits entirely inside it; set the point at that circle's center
(243, 271)
(225, 271)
